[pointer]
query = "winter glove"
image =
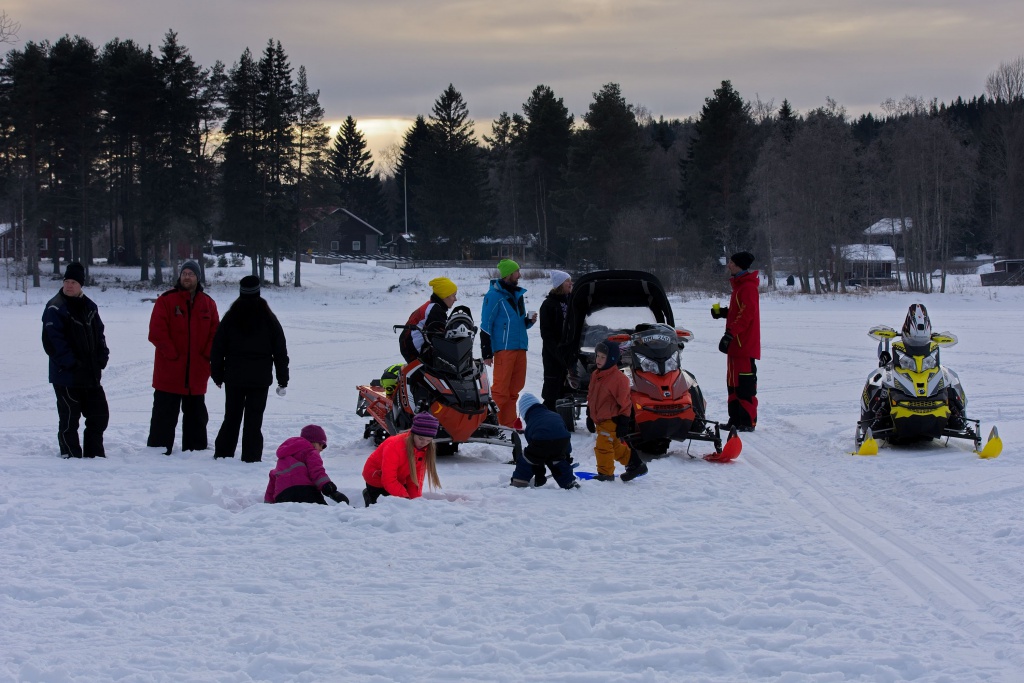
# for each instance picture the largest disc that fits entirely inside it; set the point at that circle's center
(330, 490)
(719, 312)
(282, 390)
(723, 345)
(621, 427)
(884, 358)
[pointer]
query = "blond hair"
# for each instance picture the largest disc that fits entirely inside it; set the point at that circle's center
(431, 455)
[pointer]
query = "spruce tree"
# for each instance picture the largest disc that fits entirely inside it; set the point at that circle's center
(351, 168)
(311, 176)
(714, 177)
(452, 201)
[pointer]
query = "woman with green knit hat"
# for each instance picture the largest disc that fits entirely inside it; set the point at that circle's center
(503, 339)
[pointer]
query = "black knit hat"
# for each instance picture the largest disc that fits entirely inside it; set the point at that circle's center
(743, 259)
(249, 286)
(75, 271)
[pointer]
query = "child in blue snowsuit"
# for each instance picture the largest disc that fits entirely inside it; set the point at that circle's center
(548, 444)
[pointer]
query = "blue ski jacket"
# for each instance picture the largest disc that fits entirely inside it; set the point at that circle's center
(547, 438)
(503, 321)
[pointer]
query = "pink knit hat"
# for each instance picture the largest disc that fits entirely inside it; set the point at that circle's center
(314, 434)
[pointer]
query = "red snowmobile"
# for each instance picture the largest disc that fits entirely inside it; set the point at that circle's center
(667, 401)
(446, 381)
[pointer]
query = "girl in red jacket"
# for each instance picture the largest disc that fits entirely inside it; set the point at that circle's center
(399, 464)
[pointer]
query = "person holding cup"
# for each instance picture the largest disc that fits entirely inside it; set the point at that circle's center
(503, 339)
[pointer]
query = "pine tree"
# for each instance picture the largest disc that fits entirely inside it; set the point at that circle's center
(544, 149)
(24, 110)
(607, 173)
(409, 176)
(351, 168)
(311, 175)
(73, 129)
(130, 102)
(714, 177)
(452, 201)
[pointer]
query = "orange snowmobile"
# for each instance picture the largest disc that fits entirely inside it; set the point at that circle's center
(446, 381)
(631, 308)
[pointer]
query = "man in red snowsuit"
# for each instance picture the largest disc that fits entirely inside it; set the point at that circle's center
(181, 328)
(742, 341)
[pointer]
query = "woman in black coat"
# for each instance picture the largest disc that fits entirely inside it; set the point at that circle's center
(248, 347)
(552, 320)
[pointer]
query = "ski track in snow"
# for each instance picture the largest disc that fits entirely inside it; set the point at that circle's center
(797, 562)
(941, 588)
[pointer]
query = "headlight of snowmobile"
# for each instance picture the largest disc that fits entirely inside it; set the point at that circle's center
(908, 363)
(672, 363)
(929, 362)
(646, 364)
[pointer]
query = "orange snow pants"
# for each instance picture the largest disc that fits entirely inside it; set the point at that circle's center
(608, 449)
(509, 379)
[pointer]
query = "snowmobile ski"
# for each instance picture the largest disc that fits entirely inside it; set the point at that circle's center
(869, 446)
(730, 450)
(993, 447)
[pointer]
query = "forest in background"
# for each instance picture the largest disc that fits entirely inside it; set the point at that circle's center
(148, 146)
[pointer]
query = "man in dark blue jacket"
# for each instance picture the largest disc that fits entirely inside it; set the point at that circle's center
(548, 444)
(73, 339)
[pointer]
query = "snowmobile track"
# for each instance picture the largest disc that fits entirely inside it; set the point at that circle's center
(941, 589)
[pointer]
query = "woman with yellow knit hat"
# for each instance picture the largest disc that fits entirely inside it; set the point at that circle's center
(429, 318)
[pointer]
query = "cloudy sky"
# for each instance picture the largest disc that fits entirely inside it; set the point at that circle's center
(385, 61)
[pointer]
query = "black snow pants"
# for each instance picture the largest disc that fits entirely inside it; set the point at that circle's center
(73, 403)
(248, 403)
(165, 420)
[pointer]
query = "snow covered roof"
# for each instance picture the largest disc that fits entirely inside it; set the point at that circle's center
(889, 226)
(869, 252)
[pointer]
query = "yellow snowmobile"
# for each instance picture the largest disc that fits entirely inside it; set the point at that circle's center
(911, 396)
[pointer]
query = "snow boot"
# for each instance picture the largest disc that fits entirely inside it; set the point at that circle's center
(636, 467)
(603, 477)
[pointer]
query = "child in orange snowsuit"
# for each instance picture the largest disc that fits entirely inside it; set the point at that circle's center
(609, 402)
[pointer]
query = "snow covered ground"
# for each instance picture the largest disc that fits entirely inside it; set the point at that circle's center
(797, 562)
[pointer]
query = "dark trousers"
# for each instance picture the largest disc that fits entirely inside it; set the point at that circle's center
(73, 403)
(554, 386)
(239, 402)
(742, 385)
(165, 420)
(372, 493)
(301, 494)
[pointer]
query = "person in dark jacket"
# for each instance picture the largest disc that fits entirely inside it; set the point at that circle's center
(300, 476)
(73, 339)
(552, 320)
(181, 327)
(548, 445)
(248, 347)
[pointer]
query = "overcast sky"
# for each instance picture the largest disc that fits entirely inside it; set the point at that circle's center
(390, 59)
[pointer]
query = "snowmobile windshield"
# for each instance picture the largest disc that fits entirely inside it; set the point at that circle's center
(607, 321)
(917, 327)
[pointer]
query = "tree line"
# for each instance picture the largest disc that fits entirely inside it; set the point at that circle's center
(150, 147)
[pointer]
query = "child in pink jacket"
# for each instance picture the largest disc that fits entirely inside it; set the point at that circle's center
(300, 476)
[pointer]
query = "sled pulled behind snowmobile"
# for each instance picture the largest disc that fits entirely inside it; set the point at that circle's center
(446, 381)
(631, 306)
(911, 396)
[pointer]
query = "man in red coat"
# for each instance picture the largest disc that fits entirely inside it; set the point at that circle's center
(181, 328)
(742, 341)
